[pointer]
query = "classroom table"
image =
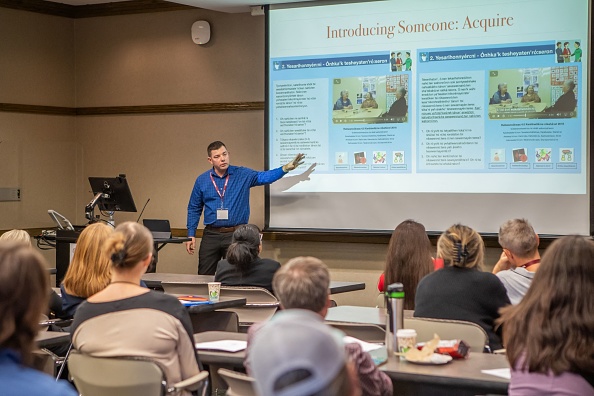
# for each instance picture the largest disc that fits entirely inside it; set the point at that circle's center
(515, 110)
(220, 358)
(154, 280)
(459, 377)
(48, 339)
(356, 113)
(223, 303)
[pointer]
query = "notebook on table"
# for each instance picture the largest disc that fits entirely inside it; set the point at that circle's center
(161, 229)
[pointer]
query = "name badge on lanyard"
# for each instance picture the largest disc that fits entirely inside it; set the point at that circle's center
(222, 213)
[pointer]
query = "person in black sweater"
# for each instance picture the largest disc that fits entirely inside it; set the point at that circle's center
(399, 108)
(566, 102)
(243, 265)
(461, 290)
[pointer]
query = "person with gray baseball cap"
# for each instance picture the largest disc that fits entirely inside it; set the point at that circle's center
(293, 355)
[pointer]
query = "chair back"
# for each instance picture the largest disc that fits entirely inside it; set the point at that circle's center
(215, 321)
(364, 332)
(121, 376)
(260, 303)
(195, 289)
(474, 335)
(239, 384)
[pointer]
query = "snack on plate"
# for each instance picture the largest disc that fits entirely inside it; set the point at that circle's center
(423, 354)
(458, 349)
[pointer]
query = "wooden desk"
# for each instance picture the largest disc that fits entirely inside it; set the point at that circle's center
(154, 280)
(234, 359)
(47, 339)
(459, 377)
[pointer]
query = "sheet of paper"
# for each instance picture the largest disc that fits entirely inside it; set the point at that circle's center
(502, 372)
(223, 345)
(367, 346)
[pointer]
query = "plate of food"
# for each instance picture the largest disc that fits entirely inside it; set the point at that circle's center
(433, 359)
(427, 355)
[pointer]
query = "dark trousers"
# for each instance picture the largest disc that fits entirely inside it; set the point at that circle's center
(213, 248)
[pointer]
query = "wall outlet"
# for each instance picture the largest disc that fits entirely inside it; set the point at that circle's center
(10, 194)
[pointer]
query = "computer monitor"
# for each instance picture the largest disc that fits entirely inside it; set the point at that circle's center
(112, 194)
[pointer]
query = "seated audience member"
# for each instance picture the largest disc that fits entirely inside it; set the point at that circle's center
(302, 285)
(408, 260)
(294, 355)
(530, 96)
(343, 102)
(501, 96)
(243, 266)
(126, 319)
(549, 335)
(567, 101)
(369, 102)
(22, 236)
(23, 296)
(89, 271)
(461, 290)
(399, 108)
(520, 258)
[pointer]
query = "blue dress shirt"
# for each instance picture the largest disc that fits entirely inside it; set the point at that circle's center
(236, 199)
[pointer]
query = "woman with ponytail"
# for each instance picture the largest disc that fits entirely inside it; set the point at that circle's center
(243, 265)
(126, 319)
(461, 290)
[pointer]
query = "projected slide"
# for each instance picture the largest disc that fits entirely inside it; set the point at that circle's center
(431, 97)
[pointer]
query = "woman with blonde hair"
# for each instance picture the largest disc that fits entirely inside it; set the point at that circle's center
(461, 290)
(23, 296)
(89, 272)
(20, 236)
(549, 335)
(126, 319)
(408, 259)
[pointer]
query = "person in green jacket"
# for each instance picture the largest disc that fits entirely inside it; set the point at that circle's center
(408, 62)
(578, 52)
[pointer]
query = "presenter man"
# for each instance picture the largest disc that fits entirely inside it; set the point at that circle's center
(223, 194)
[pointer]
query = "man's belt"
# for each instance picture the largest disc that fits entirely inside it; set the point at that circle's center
(221, 229)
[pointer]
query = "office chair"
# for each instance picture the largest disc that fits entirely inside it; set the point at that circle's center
(260, 304)
(474, 335)
(362, 331)
(173, 287)
(126, 376)
(239, 384)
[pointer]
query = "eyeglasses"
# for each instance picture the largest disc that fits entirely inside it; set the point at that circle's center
(261, 237)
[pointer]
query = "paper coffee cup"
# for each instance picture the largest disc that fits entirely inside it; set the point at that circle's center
(407, 339)
(214, 291)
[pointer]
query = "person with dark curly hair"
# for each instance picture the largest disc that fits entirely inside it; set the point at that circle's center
(243, 265)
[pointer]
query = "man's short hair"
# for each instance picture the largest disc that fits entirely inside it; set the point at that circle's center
(214, 146)
(303, 282)
(291, 355)
(518, 236)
